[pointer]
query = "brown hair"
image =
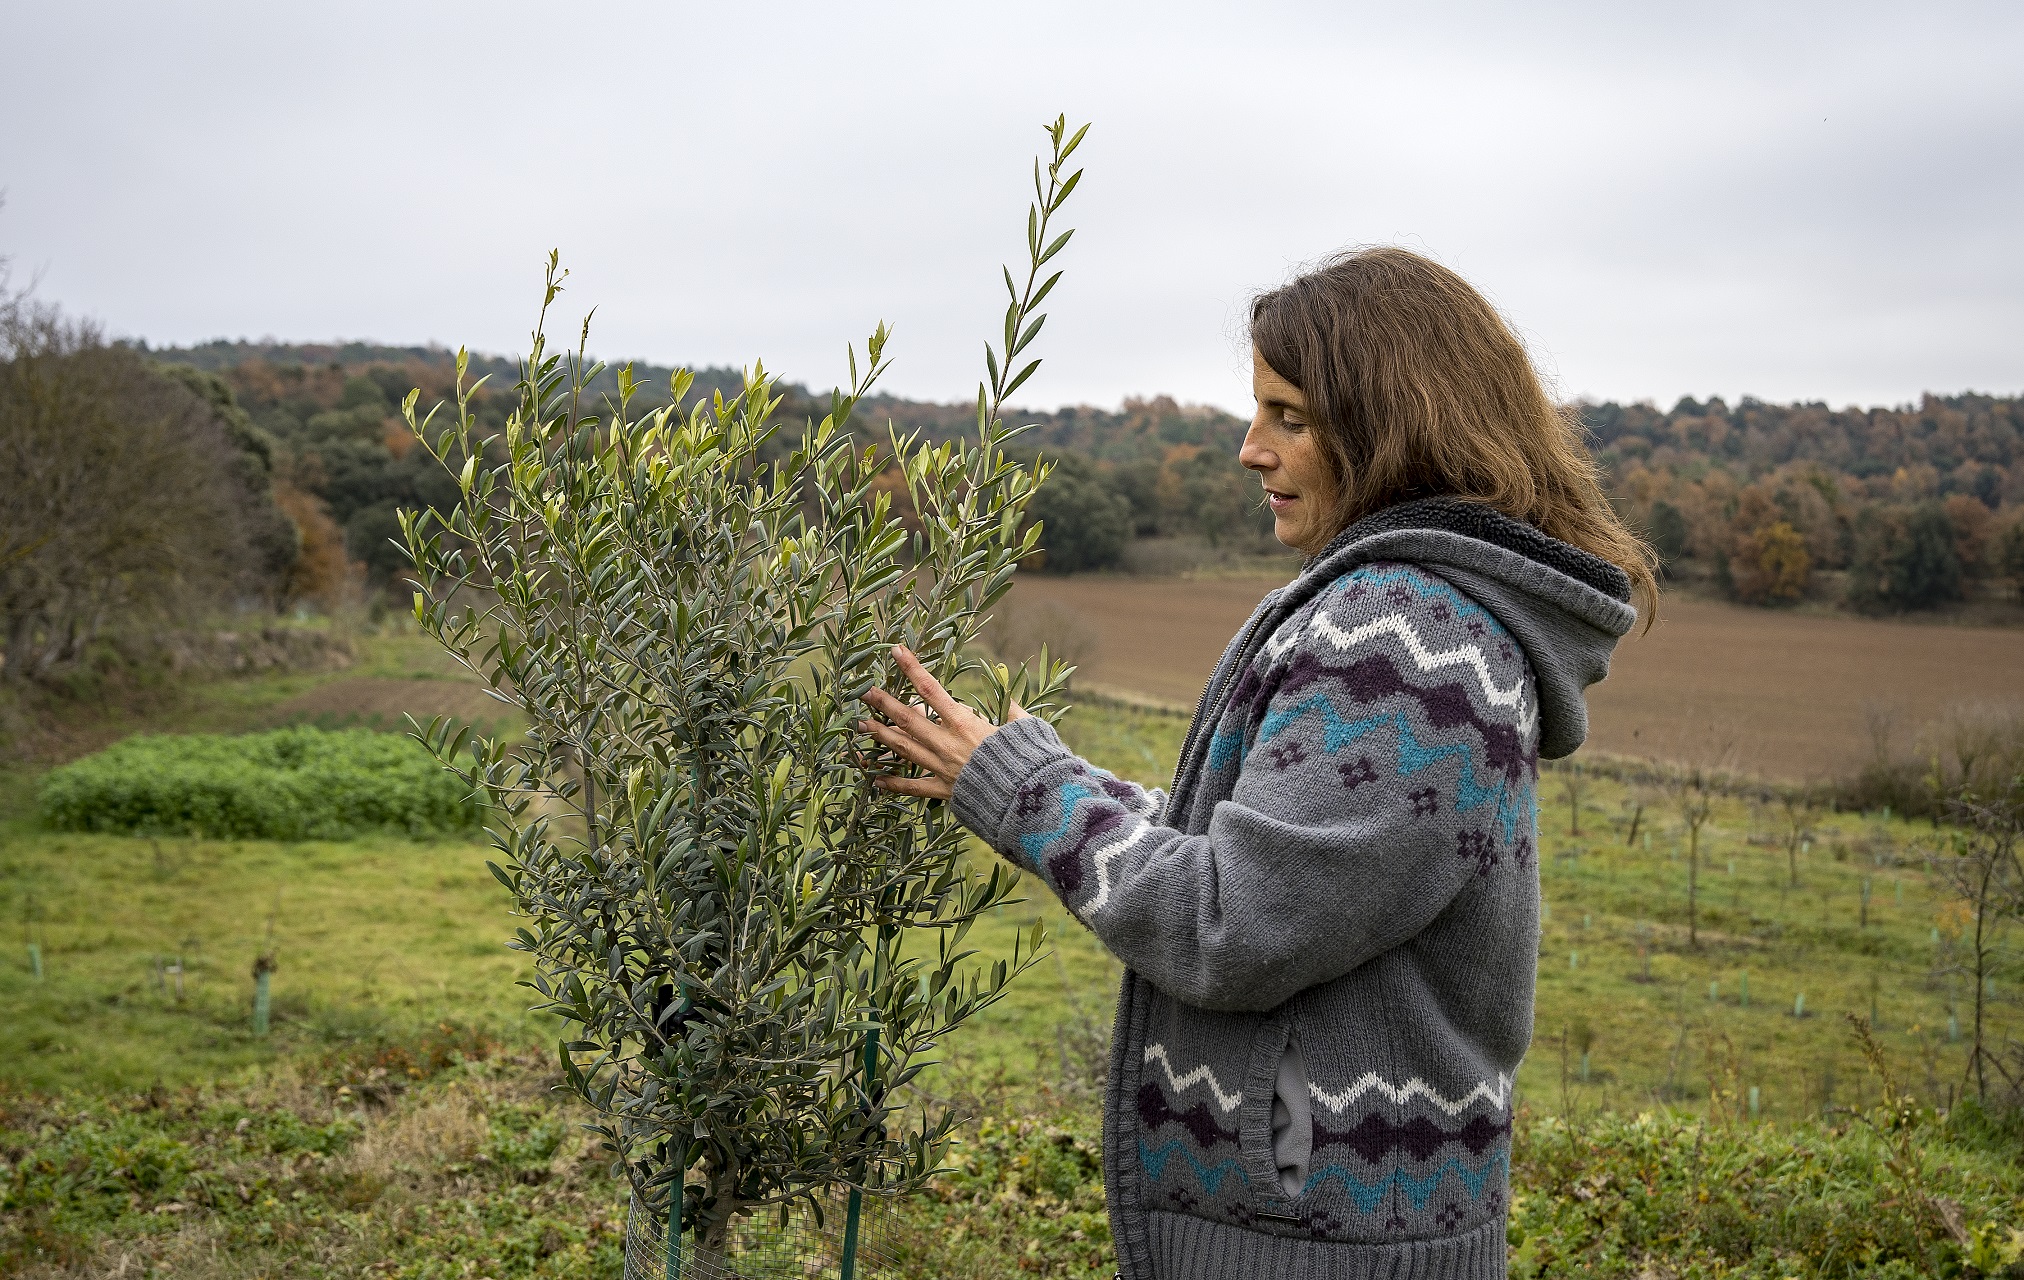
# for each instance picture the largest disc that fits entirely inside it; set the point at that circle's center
(1419, 389)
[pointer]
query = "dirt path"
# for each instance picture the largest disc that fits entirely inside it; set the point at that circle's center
(1791, 691)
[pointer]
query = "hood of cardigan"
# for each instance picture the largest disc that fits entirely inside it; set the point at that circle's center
(1565, 607)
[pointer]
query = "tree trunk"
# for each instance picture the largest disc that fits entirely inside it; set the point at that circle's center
(713, 1234)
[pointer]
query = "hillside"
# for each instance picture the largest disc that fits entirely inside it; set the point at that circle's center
(1881, 509)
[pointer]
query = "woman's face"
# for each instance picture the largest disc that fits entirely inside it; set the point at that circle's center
(1284, 450)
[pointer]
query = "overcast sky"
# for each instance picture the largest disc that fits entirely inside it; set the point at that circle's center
(1790, 201)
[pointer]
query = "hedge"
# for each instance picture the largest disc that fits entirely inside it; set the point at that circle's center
(299, 783)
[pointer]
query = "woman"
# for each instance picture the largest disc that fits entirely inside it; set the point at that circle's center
(1331, 924)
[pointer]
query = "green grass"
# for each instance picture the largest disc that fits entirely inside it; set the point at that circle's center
(1666, 1040)
(463, 1160)
(371, 936)
(133, 1097)
(380, 932)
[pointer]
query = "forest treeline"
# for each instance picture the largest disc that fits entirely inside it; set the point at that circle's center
(156, 483)
(1893, 509)
(1888, 508)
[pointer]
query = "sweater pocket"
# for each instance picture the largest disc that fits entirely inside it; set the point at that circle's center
(1292, 1121)
(1197, 1113)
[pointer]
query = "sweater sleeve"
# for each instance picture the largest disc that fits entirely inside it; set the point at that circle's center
(1383, 762)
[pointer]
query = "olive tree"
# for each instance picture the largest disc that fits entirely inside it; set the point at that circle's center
(750, 945)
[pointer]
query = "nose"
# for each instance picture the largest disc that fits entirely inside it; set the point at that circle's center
(1253, 454)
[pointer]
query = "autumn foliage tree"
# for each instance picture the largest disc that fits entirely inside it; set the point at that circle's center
(1770, 565)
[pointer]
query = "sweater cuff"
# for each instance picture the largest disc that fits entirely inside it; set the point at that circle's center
(988, 786)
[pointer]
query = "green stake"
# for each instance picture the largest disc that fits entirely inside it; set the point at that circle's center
(856, 1206)
(1753, 1102)
(35, 959)
(1715, 989)
(1584, 1066)
(1799, 1005)
(1574, 959)
(674, 1266)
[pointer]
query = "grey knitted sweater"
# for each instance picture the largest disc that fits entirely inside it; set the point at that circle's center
(1345, 863)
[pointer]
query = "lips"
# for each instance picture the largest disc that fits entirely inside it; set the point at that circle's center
(1280, 501)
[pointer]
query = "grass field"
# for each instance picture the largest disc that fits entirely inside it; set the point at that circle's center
(1788, 692)
(384, 934)
(383, 943)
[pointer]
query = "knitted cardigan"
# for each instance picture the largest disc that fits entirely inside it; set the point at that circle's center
(1346, 861)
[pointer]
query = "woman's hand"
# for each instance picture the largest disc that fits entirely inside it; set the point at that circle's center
(940, 743)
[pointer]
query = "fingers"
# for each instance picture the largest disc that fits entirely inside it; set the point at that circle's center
(927, 788)
(931, 689)
(909, 717)
(899, 740)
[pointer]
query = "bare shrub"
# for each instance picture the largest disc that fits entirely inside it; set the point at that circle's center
(1976, 746)
(1020, 628)
(124, 499)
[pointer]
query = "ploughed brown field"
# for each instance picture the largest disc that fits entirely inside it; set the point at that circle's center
(1791, 694)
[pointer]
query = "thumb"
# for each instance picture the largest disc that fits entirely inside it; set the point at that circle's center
(1018, 713)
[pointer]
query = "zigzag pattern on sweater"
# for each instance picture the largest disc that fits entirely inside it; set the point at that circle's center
(1399, 1095)
(1064, 866)
(1368, 1195)
(1465, 655)
(1154, 1159)
(1154, 1110)
(1134, 799)
(1102, 862)
(1225, 746)
(1374, 1137)
(1202, 1074)
(1413, 757)
(1071, 794)
(1374, 677)
(1427, 658)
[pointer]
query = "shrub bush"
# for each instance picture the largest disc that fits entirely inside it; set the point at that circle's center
(291, 784)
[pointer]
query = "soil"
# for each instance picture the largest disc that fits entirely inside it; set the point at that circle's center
(1783, 694)
(378, 702)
